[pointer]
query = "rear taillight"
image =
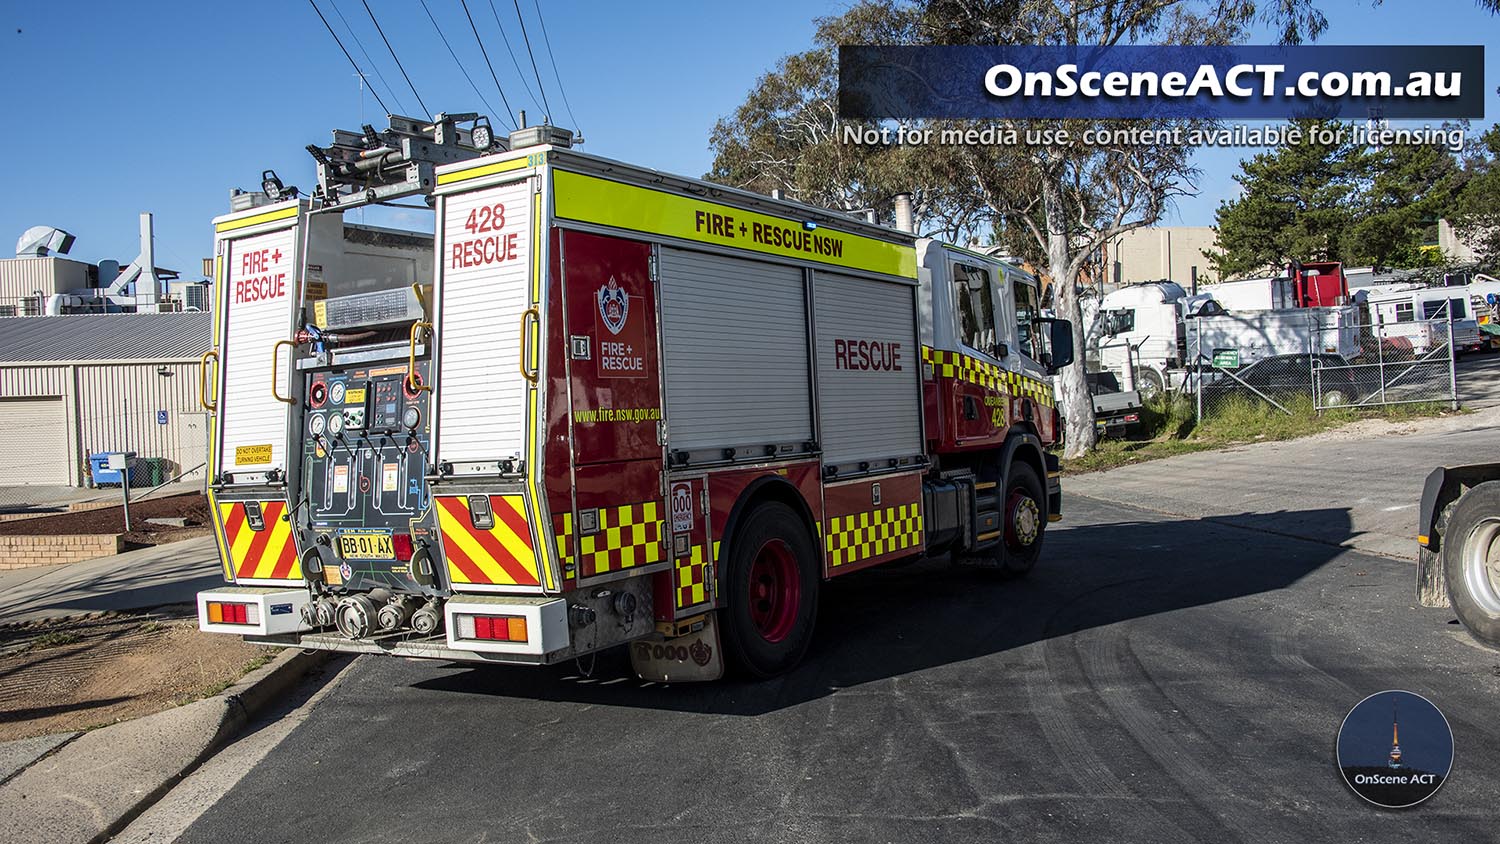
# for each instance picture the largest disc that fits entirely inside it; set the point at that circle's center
(1132, 417)
(493, 628)
(224, 612)
(401, 543)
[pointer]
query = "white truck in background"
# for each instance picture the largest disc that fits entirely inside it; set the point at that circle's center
(1157, 331)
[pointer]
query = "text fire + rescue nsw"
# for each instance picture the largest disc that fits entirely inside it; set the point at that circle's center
(782, 237)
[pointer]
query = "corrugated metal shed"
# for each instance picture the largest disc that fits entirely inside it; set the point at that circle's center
(92, 337)
(123, 382)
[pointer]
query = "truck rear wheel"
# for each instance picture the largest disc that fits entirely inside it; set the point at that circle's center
(770, 591)
(1471, 561)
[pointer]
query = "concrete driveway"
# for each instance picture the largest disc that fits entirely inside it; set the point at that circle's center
(166, 574)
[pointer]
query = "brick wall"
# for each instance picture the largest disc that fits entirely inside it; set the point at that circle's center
(19, 552)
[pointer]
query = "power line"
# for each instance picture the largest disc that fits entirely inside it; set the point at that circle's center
(413, 88)
(513, 62)
(352, 63)
(483, 52)
(361, 45)
(553, 58)
(456, 61)
(527, 39)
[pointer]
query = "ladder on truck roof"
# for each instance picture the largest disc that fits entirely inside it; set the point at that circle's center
(368, 167)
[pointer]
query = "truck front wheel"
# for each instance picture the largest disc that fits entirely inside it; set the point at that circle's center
(1471, 561)
(1024, 517)
(770, 592)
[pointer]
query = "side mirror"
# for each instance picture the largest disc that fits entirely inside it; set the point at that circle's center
(1058, 334)
(1000, 350)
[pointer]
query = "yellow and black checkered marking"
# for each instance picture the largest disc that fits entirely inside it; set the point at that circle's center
(985, 374)
(629, 535)
(691, 579)
(861, 536)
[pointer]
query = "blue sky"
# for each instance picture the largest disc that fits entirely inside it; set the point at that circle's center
(117, 108)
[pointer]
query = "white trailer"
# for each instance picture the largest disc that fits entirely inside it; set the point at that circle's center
(1420, 315)
(1244, 337)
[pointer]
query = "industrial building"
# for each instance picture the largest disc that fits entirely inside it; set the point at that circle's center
(40, 281)
(1173, 253)
(74, 385)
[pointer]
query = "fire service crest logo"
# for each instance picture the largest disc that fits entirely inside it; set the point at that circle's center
(614, 306)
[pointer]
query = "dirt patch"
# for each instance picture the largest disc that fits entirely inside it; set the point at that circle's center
(192, 508)
(89, 671)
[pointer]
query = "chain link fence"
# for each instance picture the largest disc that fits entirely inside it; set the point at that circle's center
(1324, 359)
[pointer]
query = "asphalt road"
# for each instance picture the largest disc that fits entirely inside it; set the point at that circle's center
(1157, 679)
(1283, 487)
(1478, 378)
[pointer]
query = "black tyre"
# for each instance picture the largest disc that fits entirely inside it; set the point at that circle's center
(1023, 515)
(1471, 561)
(770, 592)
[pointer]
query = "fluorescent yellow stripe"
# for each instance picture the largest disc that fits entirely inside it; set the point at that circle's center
(483, 170)
(265, 567)
(539, 525)
(593, 200)
(517, 548)
(457, 535)
(219, 541)
(241, 541)
(246, 222)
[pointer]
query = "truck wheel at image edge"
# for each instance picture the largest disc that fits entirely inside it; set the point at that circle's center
(1459, 556)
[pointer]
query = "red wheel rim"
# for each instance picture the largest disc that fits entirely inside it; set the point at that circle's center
(775, 591)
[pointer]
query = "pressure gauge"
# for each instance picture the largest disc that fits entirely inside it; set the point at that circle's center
(317, 424)
(336, 424)
(411, 418)
(336, 392)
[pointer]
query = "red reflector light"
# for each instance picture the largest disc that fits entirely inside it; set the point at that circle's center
(222, 612)
(401, 543)
(1132, 417)
(494, 628)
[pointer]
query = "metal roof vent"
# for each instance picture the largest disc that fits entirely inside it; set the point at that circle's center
(40, 241)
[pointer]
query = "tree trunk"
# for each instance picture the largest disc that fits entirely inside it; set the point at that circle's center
(1073, 399)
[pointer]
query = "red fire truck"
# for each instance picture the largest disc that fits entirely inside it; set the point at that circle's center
(600, 405)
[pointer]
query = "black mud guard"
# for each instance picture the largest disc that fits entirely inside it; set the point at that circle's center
(1443, 486)
(1026, 439)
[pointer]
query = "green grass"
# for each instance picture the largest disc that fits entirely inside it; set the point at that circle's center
(54, 639)
(1168, 428)
(215, 688)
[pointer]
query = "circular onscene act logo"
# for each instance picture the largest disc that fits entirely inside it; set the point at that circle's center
(1395, 749)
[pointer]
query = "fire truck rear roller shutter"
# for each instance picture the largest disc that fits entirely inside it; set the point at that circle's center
(481, 395)
(736, 356)
(869, 409)
(259, 296)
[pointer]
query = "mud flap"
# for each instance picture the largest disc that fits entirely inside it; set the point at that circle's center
(695, 657)
(1432, 585)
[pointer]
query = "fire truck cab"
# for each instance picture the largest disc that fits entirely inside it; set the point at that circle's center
(600, 405)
